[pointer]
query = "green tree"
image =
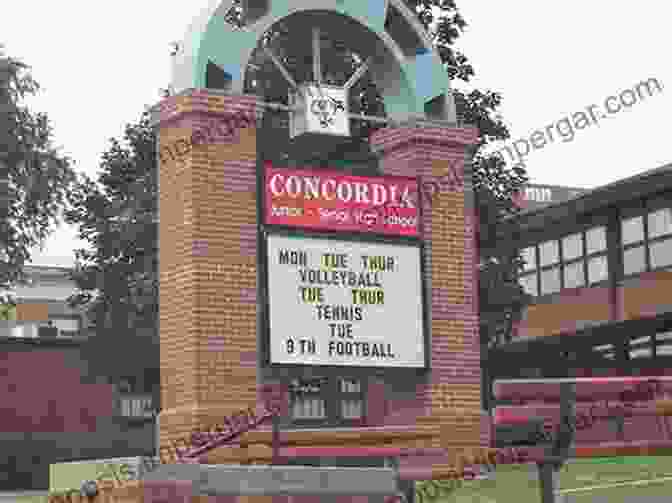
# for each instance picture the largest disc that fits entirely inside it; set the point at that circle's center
(34, 176)
(117, 216)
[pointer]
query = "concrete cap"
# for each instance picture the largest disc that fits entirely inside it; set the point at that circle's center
(277, 480)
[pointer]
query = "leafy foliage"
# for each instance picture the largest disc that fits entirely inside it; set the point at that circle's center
(7, 312)
(427, 491)
(34, 176)
(118, 217)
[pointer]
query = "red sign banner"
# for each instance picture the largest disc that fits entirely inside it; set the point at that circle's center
(331, 200)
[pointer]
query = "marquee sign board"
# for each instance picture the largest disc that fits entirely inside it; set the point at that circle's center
(345, 303)
(331, 200)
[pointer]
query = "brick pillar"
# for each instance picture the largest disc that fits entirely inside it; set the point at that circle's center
(451, 394)
(207, 259)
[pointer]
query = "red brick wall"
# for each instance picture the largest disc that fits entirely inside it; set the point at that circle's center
(649, 295)
(570, 311)
(42, 391)
(208, 324)
(207, 236)
(450, 396)
(573, 309)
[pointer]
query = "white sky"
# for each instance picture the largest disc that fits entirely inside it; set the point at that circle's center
(100, 63)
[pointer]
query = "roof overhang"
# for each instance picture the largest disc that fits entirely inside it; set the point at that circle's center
(621, 191)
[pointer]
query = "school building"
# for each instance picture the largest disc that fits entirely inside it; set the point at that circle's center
(599, 268)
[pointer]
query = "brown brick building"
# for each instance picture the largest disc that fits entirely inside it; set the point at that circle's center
(599, 267)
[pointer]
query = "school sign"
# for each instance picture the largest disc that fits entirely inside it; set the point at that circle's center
(313, 279)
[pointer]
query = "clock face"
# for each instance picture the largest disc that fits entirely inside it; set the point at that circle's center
(325, 111)
(324, 107)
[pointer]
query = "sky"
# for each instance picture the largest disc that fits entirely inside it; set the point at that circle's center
(100, 64)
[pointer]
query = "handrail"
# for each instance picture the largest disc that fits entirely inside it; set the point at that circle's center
(193, 454)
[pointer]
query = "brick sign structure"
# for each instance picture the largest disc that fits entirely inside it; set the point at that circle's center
(217, 318)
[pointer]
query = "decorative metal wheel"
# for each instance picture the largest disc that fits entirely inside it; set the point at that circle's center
(396, 53)
(320, 98)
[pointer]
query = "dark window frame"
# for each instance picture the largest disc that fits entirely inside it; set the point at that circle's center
(658, 239)
(585, 257)
(323, 394)
(655, 203)
(540, 271)
(136, 390)
(642, 208)
(71, 317)
(345, 395)
(333, 396)
(581, 260)
(603, 281)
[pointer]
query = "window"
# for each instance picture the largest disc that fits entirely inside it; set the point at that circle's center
(351, 399)
(634, 260)
(660, 254)
(67, 327)
(574, 276)
(573, 261)
(646, 237)
(133, 403)
(530, 257)
(660, 223)
(572, 246)
(664, 343)
(308, 407)
(605, 351)
(596, 240)
(550, 280)
(529, 283)
(632, 230)
(320, 401)
(548, 253)
(664, 351)
(640, 347)
(137, 406)
(572, 257)
(308, 399)
(597, 269)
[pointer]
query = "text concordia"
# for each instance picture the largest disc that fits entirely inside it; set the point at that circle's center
(328, 189)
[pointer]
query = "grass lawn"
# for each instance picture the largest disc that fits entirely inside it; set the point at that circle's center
(519, 483)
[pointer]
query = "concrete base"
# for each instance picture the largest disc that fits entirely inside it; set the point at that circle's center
(230, 480)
